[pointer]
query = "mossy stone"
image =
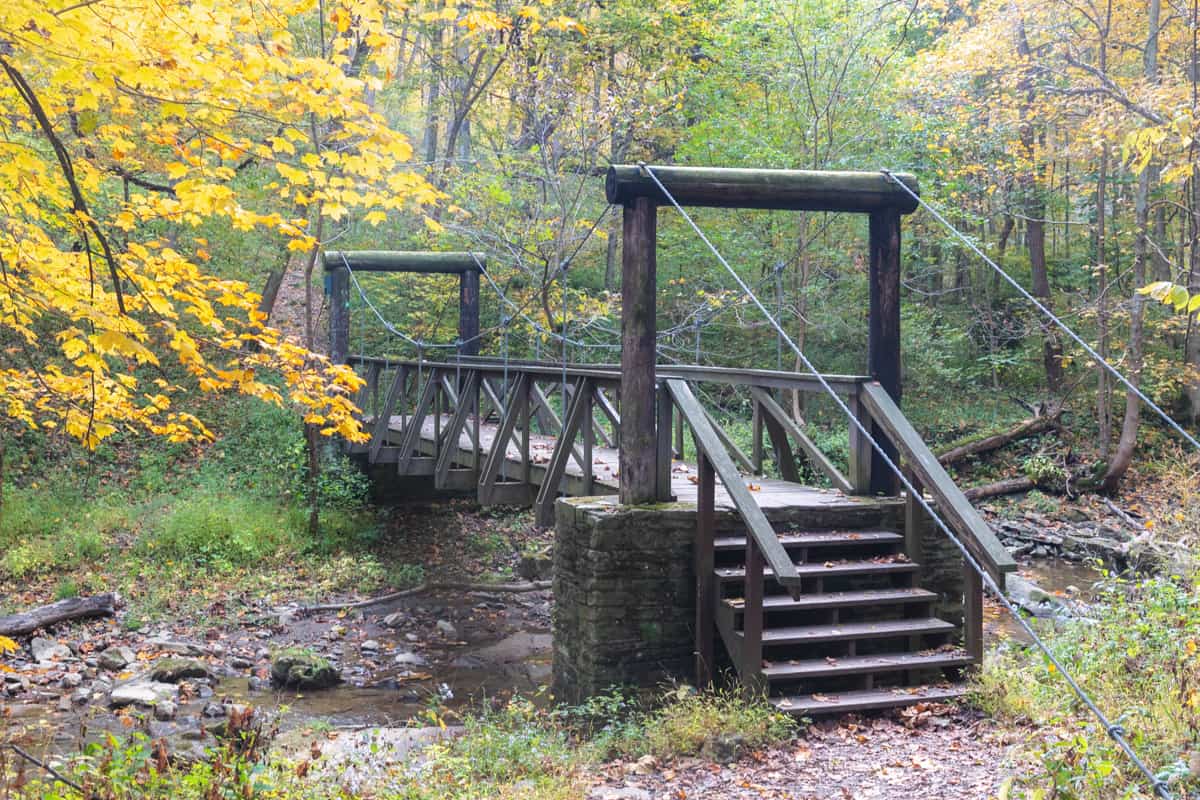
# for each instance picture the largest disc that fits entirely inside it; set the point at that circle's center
(302, 669)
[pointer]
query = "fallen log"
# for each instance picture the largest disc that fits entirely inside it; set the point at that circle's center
(1022, 430)
(1006, 486)
(25, 623)
(531, 586)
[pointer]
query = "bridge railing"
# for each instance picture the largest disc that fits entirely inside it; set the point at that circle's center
(521, 432)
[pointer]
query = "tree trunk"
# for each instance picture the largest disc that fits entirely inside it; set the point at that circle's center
(1103, 387)
(1133, 407)
(429, 141)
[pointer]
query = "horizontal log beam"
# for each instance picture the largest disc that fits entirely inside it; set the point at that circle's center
(423, 261)
(786, 189)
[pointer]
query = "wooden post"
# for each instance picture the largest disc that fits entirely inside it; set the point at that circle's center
(637, 442)
(338, 288)
(468, 312)
(973, 613)
(883, 342)
(662, 456)
(750, 670)
(861, 452)
(706, 523)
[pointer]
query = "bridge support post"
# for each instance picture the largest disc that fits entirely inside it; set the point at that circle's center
(468, 311)
(883, 341)
(337, 286)
(638, 440)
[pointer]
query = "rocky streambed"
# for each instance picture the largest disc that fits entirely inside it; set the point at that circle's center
(274, 670)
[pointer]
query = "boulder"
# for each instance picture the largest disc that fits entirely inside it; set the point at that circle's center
(47, 650)
(302, 669)
(142, 692)
(115, 658)
(1034, 600)
(174, 670)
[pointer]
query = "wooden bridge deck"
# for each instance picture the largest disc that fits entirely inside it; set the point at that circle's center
(771, 494)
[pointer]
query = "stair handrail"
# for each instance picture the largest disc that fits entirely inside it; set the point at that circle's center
(976, 535)
(752, 515)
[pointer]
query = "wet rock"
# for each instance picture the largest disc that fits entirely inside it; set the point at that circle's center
(410, 660)
(171, 646)
(369, 646)
(174, 670)
(518, 647)
(467, 662)
(618, 793)
(394, 620)
(165, 710)
(411, 637)
(142, 692)
(213, 711)
(71, 680)
(447, 629)
(81, 696)
(1034, 600)
(47, 650)
(303, 669)
(115, 659)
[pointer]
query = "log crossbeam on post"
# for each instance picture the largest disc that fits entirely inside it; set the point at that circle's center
(338, 265)
(640, 190)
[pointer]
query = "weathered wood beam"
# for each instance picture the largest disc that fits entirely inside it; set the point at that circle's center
(786, 189)
(25, 623)
(422, 261)
(883, 334)
(815, 456)
(638, 441)
(557, 468)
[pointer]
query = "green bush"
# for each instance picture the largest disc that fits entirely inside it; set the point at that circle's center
(220, 531)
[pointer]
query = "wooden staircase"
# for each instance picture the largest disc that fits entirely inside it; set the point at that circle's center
(859, 635)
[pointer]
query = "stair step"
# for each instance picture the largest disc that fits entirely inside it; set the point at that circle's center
(856, 665)
(804, 634)
(816, 539)
(869, 700)
(809, 602)
(825, 569)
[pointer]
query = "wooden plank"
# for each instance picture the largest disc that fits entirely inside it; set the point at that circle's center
(810, 705)
(844, 631)
(889, 662)
(639, 283)
(787, 189)
(757, 524)
(422, 261)
(586, 464)
(499, 452)
(815, 456)
(609, 411)
(960, 515)
(454, 429)
(782, 448)
(730, 445)
(383, 420)
(412, 432)
(756, 427)
(703, 556)
(544, 505)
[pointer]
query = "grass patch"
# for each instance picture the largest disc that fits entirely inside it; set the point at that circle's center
(1139, 658)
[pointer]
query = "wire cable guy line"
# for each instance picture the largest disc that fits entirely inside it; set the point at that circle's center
(1114, 730)
(1099, 359)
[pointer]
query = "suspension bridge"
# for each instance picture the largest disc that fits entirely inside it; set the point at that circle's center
(863, 593)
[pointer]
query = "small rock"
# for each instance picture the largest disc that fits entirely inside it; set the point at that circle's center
(237, 662)
(181, 648)
(174, 670)
(257, 684)
(412, 637)
(622, 793)
(262, 654)
(64, 703)
(394, 620)
(410, 660)
(370, 646)
(447, 629)
(142, 692)
(723, 748)
(535, 567)
(214, 711)
(115, 659)
(48, 650)
(164, 710)
(71, 680)
(645, 765)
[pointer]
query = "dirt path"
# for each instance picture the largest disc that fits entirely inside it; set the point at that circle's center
(954, 757)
